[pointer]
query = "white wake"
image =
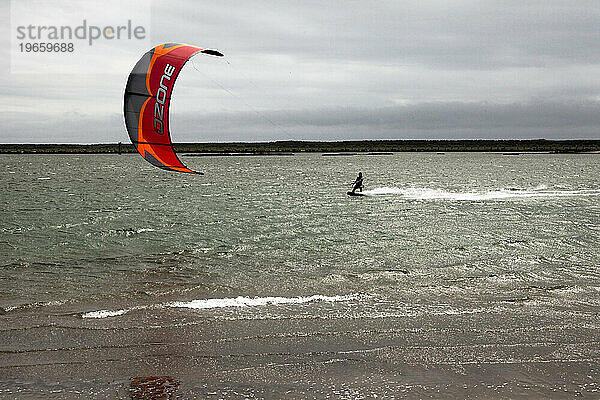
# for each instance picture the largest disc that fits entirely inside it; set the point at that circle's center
(477, 195)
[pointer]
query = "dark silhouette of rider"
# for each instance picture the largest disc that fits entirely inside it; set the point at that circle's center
(358, 183)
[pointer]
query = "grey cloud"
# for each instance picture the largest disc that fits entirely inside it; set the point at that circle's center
(430, 120)
(427, 120)
(345, 70)
(480, 35)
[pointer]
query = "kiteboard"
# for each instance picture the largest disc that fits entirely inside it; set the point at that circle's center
(354, 194)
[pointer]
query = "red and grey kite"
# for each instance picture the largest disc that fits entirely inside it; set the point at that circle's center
(147, 98)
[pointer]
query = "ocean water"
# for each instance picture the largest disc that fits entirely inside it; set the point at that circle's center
(472, 251)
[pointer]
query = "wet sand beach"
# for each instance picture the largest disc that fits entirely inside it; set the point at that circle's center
(483, 355)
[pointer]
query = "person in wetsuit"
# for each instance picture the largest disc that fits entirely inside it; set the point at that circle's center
(358, 183)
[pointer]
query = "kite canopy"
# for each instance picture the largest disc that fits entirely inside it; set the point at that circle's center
(147, 99)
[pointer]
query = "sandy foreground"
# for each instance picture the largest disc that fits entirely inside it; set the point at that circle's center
(464, 356)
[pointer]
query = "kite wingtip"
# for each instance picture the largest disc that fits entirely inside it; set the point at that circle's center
(212, 52)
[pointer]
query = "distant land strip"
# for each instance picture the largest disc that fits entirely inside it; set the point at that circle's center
(287, 147)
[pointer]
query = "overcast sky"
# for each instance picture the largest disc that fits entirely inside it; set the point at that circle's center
(330, 70)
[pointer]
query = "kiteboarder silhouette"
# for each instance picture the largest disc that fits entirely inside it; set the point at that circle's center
(358, 183)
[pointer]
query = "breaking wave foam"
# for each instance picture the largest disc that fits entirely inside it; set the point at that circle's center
(256, 301)
(104, 313)
(508, 193)
(225, 302)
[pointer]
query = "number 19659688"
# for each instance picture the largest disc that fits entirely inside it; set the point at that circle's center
(46, 47)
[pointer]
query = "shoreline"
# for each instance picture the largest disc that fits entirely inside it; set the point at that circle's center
(590, 146)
